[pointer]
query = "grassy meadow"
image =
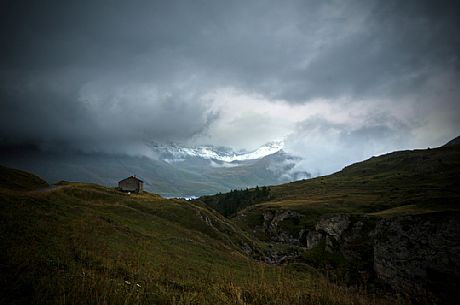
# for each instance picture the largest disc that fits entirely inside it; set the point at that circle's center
(76, 243)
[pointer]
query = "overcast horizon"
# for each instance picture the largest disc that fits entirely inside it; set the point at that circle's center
(337, 81)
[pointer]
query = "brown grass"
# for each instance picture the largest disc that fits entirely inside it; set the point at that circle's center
(85, 244)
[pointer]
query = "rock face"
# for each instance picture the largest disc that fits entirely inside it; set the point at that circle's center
(420, 252)
(272, 228)
(340, 233)
(417, 254)
(333, 226)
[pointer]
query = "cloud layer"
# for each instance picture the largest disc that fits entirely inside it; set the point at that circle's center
(337, 80)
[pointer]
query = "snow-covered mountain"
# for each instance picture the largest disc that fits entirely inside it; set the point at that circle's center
(176, 153)
(169, 169)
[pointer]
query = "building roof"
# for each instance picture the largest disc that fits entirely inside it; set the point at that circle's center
(131, 177)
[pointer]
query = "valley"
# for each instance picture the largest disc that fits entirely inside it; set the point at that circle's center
(229, 152)
(381, 231)
(169, 170)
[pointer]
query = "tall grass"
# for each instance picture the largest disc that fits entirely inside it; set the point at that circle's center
(92, 271)
(165, 286)
(90, 245)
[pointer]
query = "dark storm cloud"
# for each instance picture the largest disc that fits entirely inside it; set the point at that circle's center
(395, 49)
(97, 74)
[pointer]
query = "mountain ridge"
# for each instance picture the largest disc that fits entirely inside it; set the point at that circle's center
(170, 170)
(174, 152)
(386, 173)
(453, 142)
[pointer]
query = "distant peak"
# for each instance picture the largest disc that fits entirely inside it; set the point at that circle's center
(453, 142)
(175, 151)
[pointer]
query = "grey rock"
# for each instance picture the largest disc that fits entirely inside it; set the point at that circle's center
(334, 225)
(313, 239)
(271, 227)
(419, 253)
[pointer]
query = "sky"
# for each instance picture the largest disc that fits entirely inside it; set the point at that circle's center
(337, 81)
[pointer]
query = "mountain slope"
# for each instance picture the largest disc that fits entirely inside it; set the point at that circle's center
(171, 171)
(392, 219)
(20, 180)
(453, 142)
(423, 178)
(420, 180)
(88, 244)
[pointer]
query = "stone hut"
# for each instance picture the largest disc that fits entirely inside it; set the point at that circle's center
(131, 184)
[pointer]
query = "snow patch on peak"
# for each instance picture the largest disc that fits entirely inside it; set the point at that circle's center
(265, 150)
(175, 153)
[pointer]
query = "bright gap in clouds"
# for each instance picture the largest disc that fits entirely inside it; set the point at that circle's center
(326, 134)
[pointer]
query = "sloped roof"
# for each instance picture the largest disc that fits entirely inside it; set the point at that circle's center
(131, 177)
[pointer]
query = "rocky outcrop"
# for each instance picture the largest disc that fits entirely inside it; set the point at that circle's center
(340, 233)
(420, 253)
(333, 226)
(273, 229)
(417, 254)
(310, 239)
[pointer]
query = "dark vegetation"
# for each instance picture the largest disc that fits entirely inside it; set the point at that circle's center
(230, 203)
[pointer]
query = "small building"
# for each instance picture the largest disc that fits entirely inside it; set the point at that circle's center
(131, 184)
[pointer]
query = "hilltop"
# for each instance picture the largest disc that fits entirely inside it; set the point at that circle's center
(402, 182)
(14, 179)
(78, 243)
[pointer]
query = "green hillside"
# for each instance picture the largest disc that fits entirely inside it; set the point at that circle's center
(76, 243)
(400, 182)
(403, 182)
(342, 223)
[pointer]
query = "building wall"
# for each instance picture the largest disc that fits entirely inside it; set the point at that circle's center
(131, 185)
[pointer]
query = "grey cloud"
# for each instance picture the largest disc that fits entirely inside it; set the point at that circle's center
(35, 113)
(326, 146)
(395, 49)
(241, 42)
(85, 67)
